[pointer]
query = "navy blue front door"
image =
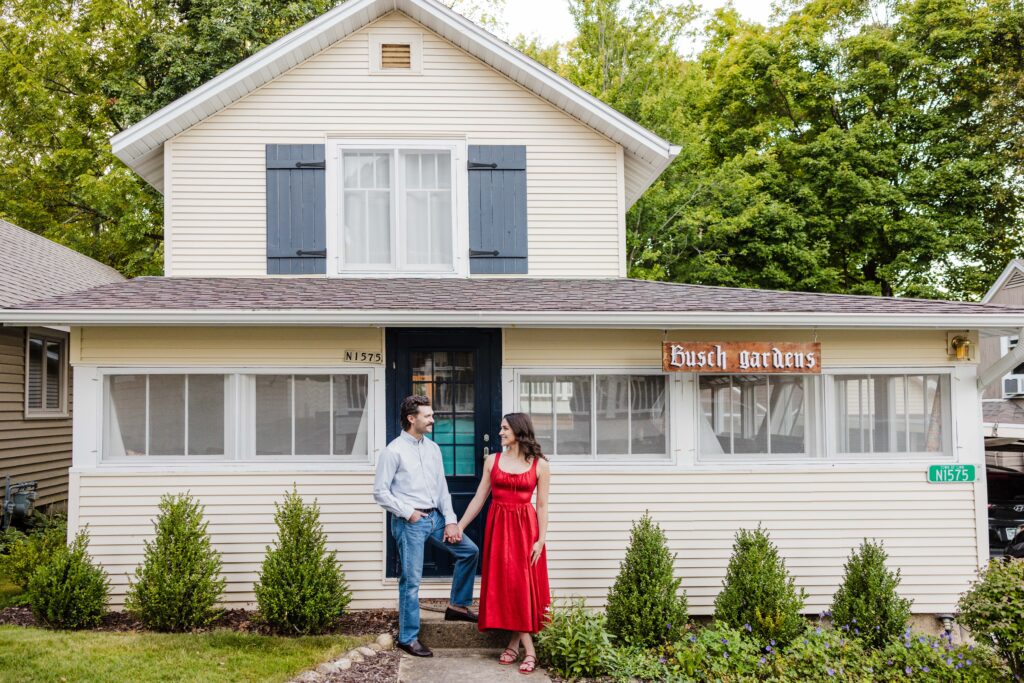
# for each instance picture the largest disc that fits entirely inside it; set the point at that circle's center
(460, 371)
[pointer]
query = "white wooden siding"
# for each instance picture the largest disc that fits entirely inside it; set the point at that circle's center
(216, 221)
(814, 517)
(220, 346)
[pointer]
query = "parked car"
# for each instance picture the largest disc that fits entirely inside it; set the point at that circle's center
(1005, 507)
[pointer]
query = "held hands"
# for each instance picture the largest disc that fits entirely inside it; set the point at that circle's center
(452, 533)
(538, 548)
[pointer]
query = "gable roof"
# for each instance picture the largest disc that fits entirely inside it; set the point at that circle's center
(539, 302)
(33, 267)
(141, 146)
(1012, 275)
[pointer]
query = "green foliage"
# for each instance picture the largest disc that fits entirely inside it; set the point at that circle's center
(852, 146)
(866, 603)
(301, 589)
(645, 606)
(993, 609)
(8, 537)
(178, 583)
(67, 590)
(758, 594)
(574, 643)
(26, 552)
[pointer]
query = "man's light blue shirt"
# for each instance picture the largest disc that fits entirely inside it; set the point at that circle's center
(410, 475)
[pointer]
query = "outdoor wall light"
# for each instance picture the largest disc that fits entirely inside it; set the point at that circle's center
(961, 348)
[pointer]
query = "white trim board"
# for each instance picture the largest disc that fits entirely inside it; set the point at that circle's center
(141, 146)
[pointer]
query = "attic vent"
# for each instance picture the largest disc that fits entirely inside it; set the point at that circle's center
(396, 56)
(1015, 280)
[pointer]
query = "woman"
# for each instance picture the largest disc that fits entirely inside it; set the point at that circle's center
(514, 593)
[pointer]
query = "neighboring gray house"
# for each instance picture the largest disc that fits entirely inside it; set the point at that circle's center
(35, 385)
(1003, 400)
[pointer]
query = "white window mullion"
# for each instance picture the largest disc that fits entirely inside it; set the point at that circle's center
(397, 228)
(147, 414)
(291, 397)
(185, 413)
(768, 413)
(629, 415)
(330, 414)
(593, 417)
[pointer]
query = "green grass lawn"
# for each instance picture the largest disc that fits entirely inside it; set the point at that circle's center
(33, 654)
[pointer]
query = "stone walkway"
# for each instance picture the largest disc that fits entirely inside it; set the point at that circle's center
(464, 665)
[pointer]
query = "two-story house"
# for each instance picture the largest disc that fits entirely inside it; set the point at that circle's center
(389, 201)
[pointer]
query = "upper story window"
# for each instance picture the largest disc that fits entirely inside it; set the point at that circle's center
(396, 209)
(46, 365)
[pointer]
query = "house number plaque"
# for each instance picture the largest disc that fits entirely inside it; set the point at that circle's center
(373, 357)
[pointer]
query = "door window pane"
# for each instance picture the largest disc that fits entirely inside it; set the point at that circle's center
(535, 399)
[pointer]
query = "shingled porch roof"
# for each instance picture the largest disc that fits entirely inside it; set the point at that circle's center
(498, 301)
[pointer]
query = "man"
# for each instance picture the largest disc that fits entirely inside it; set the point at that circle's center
(410, 484)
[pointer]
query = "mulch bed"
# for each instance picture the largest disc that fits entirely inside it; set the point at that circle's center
(355, 623)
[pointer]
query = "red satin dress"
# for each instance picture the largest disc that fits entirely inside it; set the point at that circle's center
(513, 594)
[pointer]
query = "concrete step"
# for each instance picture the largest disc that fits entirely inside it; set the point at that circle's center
(436, 632)
(475, 665)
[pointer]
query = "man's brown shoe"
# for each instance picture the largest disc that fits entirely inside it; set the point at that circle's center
(416, 649)
(458, 615)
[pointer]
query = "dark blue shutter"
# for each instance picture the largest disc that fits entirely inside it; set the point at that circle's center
(296, 204)
(497, 209)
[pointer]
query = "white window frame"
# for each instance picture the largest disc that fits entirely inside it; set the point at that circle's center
(44, 413)
(460, 205)
(239, 416)
(813, 451)
(593, 458)
(947, 379)
(247, 416)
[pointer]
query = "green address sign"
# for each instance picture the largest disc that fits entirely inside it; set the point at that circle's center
(951, 474)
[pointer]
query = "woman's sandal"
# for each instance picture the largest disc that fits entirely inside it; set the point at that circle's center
(528, 665)
(509, 656)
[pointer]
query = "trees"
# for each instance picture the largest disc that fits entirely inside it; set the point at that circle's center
(854, 146)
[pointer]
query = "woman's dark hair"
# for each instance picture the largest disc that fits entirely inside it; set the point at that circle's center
(411, 406)
(522, 426)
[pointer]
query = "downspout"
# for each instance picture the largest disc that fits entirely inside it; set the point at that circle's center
(1012, 359)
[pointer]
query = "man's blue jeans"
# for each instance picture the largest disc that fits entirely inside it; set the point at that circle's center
(411, 537)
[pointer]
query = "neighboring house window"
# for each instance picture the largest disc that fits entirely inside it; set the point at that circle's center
(900, 414)
(46, 365)
(165, 415)
(318, 416)
(754, 416)
(1013, 382)
(598, 416)
(396, 209)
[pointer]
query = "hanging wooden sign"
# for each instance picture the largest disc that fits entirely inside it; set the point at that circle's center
(742, 357)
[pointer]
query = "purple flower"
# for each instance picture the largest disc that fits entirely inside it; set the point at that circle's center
(668, 627)
(925, 669)
(748, 627)
(856, 631)
(726, 655)
(772, 642)
(762, 660)
(692, 638)
(817, 630)
(725, 641)
(854, 620)
(969, 662)
(908, 670)
(767, 648)
(949, 661)
(661, 660)
(831, 671)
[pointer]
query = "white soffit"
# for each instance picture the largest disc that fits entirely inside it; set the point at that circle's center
(141, 146)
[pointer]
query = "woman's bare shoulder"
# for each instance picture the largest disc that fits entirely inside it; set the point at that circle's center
(543, 465)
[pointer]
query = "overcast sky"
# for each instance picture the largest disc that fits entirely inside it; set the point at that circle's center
(549, 19)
